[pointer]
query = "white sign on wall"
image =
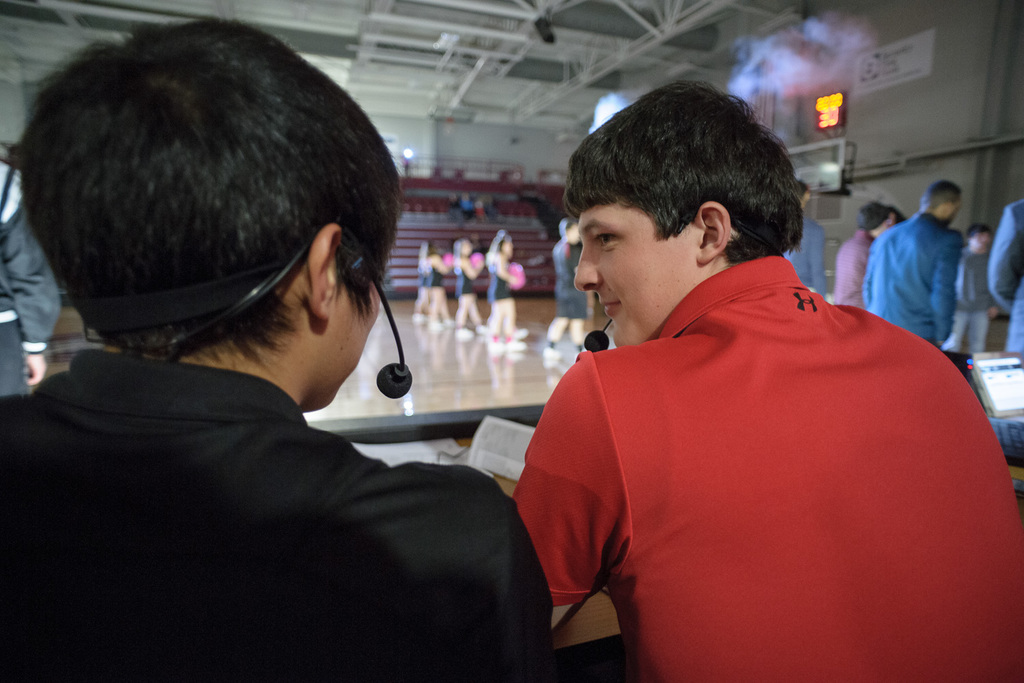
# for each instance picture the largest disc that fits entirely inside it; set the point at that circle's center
(895, 63)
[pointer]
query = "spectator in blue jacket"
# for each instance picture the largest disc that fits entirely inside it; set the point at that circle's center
(1005, 267)
(809, 258)
(911, 275)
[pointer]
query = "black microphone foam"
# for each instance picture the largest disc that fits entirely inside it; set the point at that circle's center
(394, 380)
(598, 339)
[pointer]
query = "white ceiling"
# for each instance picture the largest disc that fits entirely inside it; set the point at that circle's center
(472, 60)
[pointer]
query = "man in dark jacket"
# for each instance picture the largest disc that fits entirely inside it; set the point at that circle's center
(29, 301)
(221, 214)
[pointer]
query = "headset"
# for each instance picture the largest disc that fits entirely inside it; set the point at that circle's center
(764, 232)
(231, 296)
(394, 379)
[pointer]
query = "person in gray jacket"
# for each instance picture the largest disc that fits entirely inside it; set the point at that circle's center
(1005, 267)
(975, 306)
(29, 300)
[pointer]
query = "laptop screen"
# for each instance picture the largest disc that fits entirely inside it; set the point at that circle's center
(999, 381)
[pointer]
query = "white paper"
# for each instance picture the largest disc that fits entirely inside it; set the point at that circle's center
(435, 452)
(499, 447)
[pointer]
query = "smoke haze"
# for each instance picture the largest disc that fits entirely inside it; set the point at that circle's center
(802, 60)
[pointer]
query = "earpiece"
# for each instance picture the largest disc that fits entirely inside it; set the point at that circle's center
(598, 339)
(394, 379)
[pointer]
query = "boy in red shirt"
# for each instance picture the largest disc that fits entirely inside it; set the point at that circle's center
(770, 487)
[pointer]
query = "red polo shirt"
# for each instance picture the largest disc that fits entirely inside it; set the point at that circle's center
(781, 489)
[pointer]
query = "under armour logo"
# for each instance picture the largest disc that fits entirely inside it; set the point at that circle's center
(802, 302)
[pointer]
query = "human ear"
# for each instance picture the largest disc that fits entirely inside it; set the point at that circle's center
(321, 270)
(715, 226)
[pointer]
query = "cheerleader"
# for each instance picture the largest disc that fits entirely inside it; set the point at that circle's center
(419, 309)
(570, 303)
(437, 313)
(466, 271)
(502, 322)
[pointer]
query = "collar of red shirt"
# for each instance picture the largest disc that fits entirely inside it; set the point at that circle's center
(731, 283)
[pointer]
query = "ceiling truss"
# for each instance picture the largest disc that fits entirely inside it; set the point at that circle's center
(483, 60)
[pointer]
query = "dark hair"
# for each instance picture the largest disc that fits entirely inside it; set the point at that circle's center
(679, 146)
(976, 228)
(194, 152)
(871, 215)
(938, 193)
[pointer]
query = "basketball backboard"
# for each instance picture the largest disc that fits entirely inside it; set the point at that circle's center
(820, 164)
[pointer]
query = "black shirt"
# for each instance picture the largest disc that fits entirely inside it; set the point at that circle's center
(163, 521)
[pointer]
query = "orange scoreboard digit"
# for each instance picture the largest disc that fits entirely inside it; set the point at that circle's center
(831, 111)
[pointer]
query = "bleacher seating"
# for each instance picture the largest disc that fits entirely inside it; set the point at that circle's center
(529, 238)
(426, 217)
(427, 208)
(515, 209)
(417, 207)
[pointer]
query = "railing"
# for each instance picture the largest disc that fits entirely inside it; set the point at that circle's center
(462, 169)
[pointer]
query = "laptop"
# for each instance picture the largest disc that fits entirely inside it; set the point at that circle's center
(999, 383)
(997, 379)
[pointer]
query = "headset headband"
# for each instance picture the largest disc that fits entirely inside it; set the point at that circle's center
(153, 309)
(758, 231)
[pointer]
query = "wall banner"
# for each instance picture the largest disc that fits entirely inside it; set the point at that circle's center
(895, 63)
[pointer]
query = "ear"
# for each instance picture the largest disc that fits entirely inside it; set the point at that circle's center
(321, 271)
(715, 228)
